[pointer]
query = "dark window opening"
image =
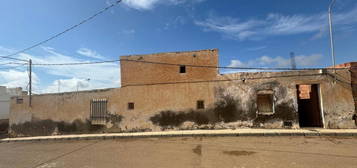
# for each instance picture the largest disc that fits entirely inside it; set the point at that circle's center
(265, 104)
(200, 104)
(19, 100)
(182, 69)
(131, 106)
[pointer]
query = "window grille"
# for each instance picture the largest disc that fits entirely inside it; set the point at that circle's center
(98, 111)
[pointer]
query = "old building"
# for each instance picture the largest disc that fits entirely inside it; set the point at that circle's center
(184, 90)
(5, 95)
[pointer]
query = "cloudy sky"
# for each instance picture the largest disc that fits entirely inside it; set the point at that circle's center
(248, 33)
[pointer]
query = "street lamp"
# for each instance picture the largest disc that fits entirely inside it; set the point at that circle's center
(59, 85)
(79, 82)
(332, 45)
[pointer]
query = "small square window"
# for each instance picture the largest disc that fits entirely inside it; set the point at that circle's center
(19, 100)
(182, 69)
(131, 106)
(200, 104)
(265, 104)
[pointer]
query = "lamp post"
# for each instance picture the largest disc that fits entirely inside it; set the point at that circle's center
(79, 82)
(59, 85)
(332, 45)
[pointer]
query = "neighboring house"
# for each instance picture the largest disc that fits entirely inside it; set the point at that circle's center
(184, 90)
(5, 97)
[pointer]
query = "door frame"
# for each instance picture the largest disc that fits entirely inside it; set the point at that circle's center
(319, 99)
(319, 94)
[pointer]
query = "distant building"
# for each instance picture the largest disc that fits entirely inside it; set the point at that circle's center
(5, 97)
(184, 90)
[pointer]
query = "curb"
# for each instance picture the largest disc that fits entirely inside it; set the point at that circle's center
(210, 133)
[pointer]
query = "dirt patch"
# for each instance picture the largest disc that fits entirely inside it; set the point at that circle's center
(50, 127)
(197, 150)
(239, 153)
(173, 119)
(4, 126)
(228, 109)
(115, 119)
(184, 139)
(225, 110)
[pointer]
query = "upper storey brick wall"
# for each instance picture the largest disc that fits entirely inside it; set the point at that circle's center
(137, 73)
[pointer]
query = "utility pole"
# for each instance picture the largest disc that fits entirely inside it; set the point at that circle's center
(332, 45)
(30, 82)
(292, 60)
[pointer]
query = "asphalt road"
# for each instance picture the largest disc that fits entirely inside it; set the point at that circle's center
(181, 152)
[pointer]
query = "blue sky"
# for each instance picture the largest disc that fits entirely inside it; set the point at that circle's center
(252, 33)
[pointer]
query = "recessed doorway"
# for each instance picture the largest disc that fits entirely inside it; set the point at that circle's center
(309, 106)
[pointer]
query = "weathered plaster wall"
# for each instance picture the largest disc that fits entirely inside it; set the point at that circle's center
(165, 99)
(69, 111)
(151, 99)
(5, 95)
(335, 97)
(231, 101)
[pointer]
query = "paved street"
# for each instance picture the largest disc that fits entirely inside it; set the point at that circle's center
(269, 152)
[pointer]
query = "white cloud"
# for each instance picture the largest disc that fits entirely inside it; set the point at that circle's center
(257, 48)
(89, 53)
(236, 63)
(17, 78)
(141, 4)
(150, 4)
(276, 24)
(230, 27)
(279, 62)
(101, 75)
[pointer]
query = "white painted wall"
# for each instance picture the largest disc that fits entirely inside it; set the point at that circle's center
(5, 95)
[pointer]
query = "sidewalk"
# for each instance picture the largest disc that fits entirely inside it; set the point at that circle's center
(186, 133)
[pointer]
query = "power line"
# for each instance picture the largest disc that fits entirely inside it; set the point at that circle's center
(229, 79)
(16, 67)
(173, 64)
(17, 59)
(76, 63)
(13, 63)
(9, 56)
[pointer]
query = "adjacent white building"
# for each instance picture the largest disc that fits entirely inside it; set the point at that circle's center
(5, 96)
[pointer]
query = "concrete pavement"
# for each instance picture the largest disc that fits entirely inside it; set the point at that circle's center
(178, 152)
(188, 133)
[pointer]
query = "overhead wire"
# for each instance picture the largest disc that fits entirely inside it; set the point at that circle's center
(9, 56)
(174, 64)
(13, 63)
(15, 67)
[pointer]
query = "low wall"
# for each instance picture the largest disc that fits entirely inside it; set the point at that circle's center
(54, 113)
